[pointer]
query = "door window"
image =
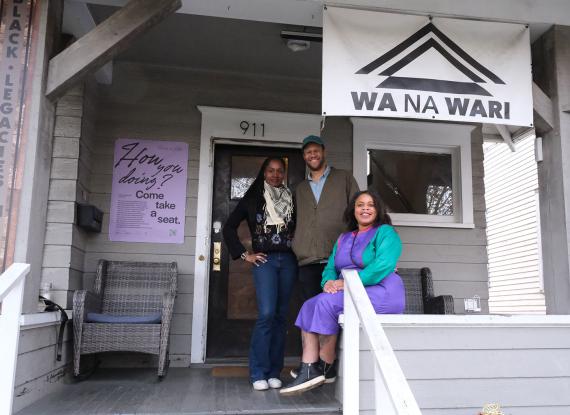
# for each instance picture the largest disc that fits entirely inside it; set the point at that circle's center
(244, 170)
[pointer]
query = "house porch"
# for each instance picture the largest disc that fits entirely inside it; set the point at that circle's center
(454, 365)
(184, 391)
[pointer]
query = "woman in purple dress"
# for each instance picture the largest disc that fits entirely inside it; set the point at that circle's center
(372, 247)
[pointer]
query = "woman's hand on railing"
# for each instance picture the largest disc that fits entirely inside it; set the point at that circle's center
(333, 286)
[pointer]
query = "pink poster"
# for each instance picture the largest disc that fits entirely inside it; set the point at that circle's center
(148, 200)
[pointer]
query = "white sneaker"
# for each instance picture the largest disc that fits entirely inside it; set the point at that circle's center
(274, 383)
(260, 385)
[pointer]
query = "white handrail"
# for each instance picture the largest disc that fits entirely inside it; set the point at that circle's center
(11, 294)
(393, 395)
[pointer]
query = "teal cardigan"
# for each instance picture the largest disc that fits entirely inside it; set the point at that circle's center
(379, 257)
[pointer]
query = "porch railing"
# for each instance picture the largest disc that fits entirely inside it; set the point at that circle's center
(11, 294)
(393, 395)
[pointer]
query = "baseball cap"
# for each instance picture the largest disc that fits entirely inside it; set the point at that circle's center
(313, 139)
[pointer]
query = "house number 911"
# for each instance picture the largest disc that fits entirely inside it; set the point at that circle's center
(257, 130)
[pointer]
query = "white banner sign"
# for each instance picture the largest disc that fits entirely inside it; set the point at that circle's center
(402, 66)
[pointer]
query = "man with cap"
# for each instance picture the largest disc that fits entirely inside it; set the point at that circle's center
(321, 201)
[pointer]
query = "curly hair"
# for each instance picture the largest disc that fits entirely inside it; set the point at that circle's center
(381, 216)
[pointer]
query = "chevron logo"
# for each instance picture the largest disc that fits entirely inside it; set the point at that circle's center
(442, 44)
(466, 97)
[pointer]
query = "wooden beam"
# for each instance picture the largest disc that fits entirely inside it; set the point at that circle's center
(543, 110)
(105, 41)
(78, 21)
(505, 133)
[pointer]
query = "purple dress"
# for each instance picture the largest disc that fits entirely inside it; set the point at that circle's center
(320, 313)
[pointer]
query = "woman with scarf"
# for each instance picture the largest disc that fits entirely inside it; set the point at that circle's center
(268, 208)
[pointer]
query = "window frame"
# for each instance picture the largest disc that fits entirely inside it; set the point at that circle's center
(425, 137)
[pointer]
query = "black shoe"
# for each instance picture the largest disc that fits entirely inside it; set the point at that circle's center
(309, 376)
(329, 370)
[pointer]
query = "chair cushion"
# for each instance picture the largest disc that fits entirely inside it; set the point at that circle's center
(111, 318)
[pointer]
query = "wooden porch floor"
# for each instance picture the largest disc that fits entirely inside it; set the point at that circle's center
(184, 391)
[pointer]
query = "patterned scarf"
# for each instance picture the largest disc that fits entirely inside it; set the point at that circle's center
(278, 205)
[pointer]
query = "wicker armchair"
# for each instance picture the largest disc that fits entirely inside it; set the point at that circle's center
(132, 289)
(419, 293)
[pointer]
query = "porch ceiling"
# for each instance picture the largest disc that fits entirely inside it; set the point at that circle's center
(220, 44)
(208, 41)
(309, 12)
(244, 35)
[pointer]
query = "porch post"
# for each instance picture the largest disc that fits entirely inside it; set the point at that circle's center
(551, 72)
(37, 138)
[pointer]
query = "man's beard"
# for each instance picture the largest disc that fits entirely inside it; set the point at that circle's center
(320, 165)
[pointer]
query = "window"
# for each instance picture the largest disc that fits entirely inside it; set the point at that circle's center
(412, 182)
(422, 171)
(244, 172)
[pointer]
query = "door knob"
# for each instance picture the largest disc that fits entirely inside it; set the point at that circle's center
(217, 260)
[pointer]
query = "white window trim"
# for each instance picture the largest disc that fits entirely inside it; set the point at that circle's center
(454, 139)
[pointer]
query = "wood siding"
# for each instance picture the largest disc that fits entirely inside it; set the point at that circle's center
(38, 372)
(457, 364)
(65, 243)
(159, 103)
(457, 257)
(511, 182)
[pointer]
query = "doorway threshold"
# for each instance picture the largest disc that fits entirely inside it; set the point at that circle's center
(238, 367)
(291, 361)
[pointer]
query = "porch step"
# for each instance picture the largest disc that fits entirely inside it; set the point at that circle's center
(184, 391)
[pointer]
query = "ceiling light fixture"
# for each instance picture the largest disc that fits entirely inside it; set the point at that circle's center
(299, 41)
(297, 45)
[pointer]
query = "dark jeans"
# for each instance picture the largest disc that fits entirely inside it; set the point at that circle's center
(274, 282)
(310, 277)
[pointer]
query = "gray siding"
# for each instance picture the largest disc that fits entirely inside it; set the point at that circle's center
(457, 368)
(159, 103)
(457, 257)
(38, 372)
(511, 180)
(65, 243)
